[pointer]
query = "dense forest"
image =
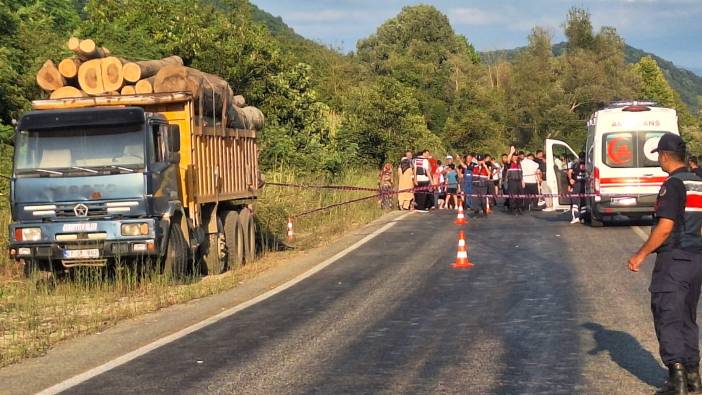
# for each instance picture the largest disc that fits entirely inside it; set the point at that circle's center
(412, 84)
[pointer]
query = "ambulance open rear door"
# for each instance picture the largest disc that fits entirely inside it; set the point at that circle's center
(556, 171)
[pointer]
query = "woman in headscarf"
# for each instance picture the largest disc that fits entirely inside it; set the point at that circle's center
(405, 198)
(385, 182)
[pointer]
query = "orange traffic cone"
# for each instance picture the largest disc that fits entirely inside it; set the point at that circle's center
(489, 209)
(462, 260)
(460, 218)
(291, 235)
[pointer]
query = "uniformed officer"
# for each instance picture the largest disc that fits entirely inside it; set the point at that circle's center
(677, 275)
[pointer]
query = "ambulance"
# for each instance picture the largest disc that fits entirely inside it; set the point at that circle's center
(623, 176)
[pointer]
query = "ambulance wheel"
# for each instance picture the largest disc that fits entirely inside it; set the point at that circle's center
(594, 221)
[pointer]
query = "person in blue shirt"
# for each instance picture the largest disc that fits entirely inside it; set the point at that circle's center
(451, 186)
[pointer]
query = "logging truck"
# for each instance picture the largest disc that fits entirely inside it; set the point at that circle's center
(161, 177)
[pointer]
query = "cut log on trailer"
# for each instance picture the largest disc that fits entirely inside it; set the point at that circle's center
(88, 50)
(245, 118)
(239, 101)
(90, 77)
(128, 90)
(67, 92)
(69, 68)
(135, 71)
(112, 76)
(213, 90)
(49, 78)
(145, 86)
(73, 44)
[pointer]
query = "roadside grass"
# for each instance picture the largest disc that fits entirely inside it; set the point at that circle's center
(37, 313)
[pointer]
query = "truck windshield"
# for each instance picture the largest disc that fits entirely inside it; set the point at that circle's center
(630, 149)
(57, 151)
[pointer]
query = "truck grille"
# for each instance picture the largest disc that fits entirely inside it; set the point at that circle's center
(95, 209)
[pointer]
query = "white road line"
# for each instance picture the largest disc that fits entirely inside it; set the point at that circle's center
(640, 232)
(87, 375)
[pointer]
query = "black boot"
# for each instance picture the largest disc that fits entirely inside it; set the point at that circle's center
(694, 383)
(677, 381)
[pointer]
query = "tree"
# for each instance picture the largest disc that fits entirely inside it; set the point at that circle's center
(383, 120)
(420, 49)
(578, 29)
(654, 86)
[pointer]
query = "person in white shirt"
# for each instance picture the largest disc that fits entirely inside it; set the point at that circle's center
(532, 176)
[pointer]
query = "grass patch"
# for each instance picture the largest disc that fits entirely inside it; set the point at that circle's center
(36, 314)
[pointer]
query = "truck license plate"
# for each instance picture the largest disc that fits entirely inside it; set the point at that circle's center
(81, 254)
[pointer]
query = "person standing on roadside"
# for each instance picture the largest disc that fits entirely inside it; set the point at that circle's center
(577, 177)
(677, 275)
(385, 184)
(515, 182)
(467, 185)
(531, 175)
(451, 187)
(543, 185)
(405, 197)
(422, 181)
(438, 183)
(481, 179)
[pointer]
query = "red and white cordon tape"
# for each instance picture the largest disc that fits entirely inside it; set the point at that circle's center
(426, 189)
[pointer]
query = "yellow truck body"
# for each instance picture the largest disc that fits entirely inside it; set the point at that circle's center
(217, 163)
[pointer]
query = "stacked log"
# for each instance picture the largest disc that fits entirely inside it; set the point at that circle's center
(93, 71)
(49, 78)
(136, 71)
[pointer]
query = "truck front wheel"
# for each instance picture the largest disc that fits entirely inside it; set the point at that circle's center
(175, 262)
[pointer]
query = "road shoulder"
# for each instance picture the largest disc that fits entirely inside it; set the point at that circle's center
(81, 354)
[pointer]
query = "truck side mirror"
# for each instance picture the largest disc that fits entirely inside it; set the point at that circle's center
(174, 138)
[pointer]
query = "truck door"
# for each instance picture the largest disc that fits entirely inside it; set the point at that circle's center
(556, 176)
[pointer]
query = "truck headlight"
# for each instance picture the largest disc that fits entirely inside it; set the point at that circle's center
(28, 234)
(135, 229)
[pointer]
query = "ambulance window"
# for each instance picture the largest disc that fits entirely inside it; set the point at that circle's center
(647, 142)
(619, 149)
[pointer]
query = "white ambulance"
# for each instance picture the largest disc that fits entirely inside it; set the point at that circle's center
(623, 175)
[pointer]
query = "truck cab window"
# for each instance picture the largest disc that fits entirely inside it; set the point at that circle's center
(159, 132)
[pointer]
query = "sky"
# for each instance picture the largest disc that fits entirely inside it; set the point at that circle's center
(671, 29)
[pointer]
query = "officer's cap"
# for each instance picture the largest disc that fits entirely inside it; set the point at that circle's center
(670, 142)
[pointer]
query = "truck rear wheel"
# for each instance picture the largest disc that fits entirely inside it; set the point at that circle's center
(234, 236)
(247, 222)
(215, 260)
(175, 262)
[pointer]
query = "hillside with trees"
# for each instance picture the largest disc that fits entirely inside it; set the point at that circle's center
(414, 83)
(685, 82)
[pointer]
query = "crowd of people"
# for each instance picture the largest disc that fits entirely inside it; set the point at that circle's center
(476, 181)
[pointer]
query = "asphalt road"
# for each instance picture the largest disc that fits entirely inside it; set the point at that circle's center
(549, 308)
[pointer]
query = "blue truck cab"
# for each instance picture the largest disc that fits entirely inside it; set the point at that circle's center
(92, 186)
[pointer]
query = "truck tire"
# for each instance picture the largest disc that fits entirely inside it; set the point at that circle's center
(175, 263)
(29, 267)
(234, 237)
(215, 260)
(247, 222)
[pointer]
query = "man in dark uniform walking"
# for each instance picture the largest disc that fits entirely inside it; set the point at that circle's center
(677, 275)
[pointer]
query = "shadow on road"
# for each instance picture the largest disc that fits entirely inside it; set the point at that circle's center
(627, 352)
